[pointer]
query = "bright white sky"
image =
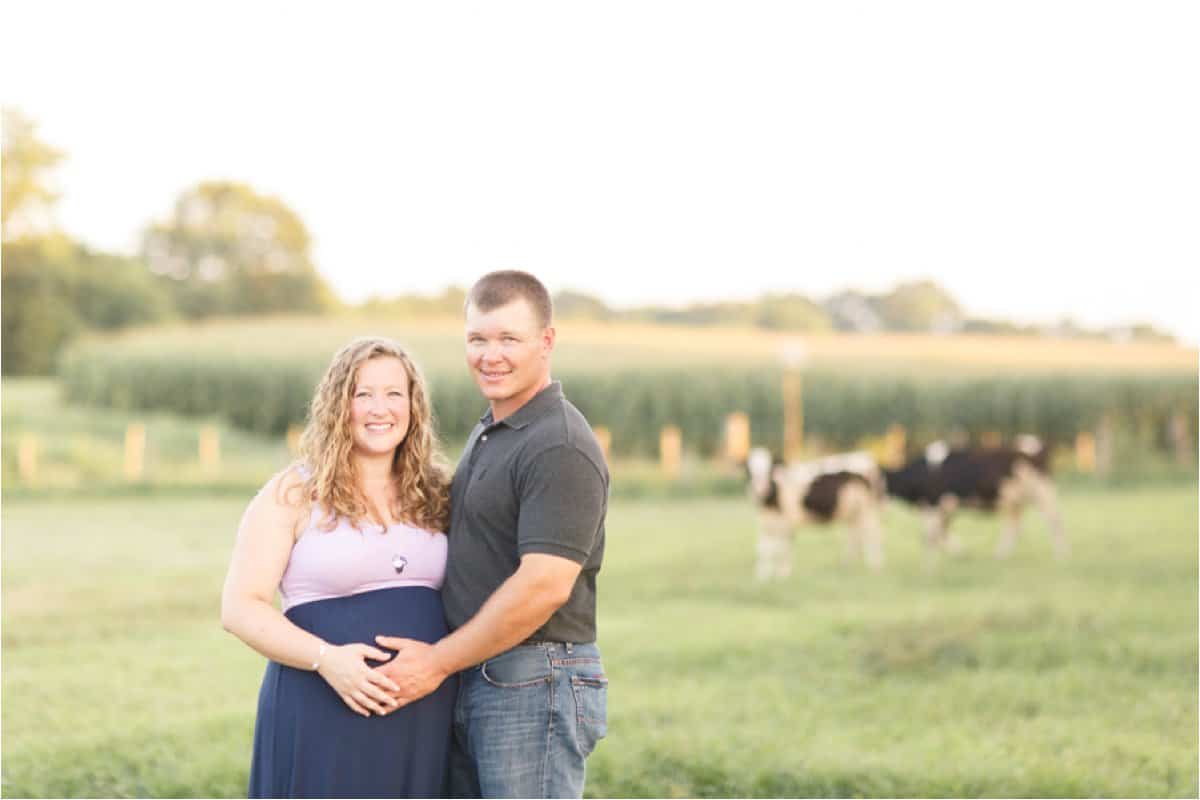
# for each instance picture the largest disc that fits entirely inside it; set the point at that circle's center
(1035, 158)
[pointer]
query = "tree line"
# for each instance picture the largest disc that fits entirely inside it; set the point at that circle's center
(910, 307)
(222, 249)
(225, 249)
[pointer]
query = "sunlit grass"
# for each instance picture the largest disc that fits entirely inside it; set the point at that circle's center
(82, 448)
(976, 678)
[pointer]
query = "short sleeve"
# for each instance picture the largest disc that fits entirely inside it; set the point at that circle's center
(563, 497)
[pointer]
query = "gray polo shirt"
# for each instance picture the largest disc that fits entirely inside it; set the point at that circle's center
(535, 482)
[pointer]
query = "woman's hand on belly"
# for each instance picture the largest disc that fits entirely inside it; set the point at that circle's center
(361, 688)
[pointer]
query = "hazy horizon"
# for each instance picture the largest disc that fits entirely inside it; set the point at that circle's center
(1036, 160)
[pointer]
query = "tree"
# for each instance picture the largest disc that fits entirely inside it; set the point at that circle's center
(36, 321)
(25, 199)
(112, 291)
(54, 289)
(449, 303)
(919, 306)
(577, 305)
(228, 250)
(791, 312)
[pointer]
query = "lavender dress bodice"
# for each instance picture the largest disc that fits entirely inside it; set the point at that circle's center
(346, 560)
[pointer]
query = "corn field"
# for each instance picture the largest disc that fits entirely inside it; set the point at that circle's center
(840, 407)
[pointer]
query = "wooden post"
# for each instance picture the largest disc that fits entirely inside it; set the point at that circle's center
(27, 459)
(793, 415)
(793, 353)
(1085, 452)
(896, 443)
(1180, 441)
(737, 437)
(293, 439)
(135, 451)
(670, 450)
(604, 438)
(1105, 435)
(210, 449)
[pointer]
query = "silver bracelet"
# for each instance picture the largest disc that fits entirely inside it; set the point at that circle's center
(317, 664)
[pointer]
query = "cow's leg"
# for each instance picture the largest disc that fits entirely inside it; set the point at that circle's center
(856, 510)
(1008, 533)
(1046, 498)
(783, 556)
(854, 545)
(872, 539)
(935, 530)
(774, 547)
(1011, 497)
(949, 543)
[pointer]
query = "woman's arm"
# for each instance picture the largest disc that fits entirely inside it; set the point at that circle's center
(260, 555)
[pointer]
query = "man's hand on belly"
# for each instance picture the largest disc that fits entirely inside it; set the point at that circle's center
(415, 669)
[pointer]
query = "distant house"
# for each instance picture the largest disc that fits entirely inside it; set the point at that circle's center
(947, 323)
(851, 311)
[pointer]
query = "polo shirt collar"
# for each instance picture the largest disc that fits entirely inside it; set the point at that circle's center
(539, 404)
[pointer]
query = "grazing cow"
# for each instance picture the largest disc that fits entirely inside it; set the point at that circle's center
(1000, 479)
(844, 488)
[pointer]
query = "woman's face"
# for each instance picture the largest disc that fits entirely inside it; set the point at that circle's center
(380, 406)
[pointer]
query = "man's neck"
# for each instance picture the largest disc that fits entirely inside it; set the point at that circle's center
(506, 408)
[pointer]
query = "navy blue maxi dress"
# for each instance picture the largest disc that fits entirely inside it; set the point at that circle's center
(308, 743)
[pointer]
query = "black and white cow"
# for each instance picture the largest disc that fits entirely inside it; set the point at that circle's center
(843, 488)
(1000, 479)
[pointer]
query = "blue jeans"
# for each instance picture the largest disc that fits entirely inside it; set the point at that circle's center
(526, 721)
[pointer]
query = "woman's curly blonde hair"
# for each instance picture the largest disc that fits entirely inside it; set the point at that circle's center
(329, 475)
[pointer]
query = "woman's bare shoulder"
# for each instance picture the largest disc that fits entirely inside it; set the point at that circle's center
(283, 496)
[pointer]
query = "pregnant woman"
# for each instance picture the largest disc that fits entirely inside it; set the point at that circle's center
(352, 537)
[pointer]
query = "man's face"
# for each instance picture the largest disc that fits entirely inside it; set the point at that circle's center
(508, 353)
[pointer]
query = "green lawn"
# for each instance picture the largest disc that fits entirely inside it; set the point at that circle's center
(82, 448)
(1023, 678)
(80, 451)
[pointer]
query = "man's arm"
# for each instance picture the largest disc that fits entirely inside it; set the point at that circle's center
(563, 497)
(521, 605)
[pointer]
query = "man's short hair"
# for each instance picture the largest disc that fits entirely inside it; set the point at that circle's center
(504, 286)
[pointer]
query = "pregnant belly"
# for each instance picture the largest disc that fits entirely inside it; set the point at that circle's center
(412, 612)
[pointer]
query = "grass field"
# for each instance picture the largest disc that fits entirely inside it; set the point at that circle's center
(81, 451)
(976, 678)
(82, 447)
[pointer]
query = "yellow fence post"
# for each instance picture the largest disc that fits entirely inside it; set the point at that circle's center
(1181, 442)
(737, 437)
(895, 445)
(794, 353)
(27, 459)
(1105, 435)
(210, 449)
(670, 449)
(793, 414)
(604, 439)
(1085, 452)
(293, 438)
(135, 451)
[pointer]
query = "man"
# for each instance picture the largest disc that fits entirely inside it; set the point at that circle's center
(526, 540)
